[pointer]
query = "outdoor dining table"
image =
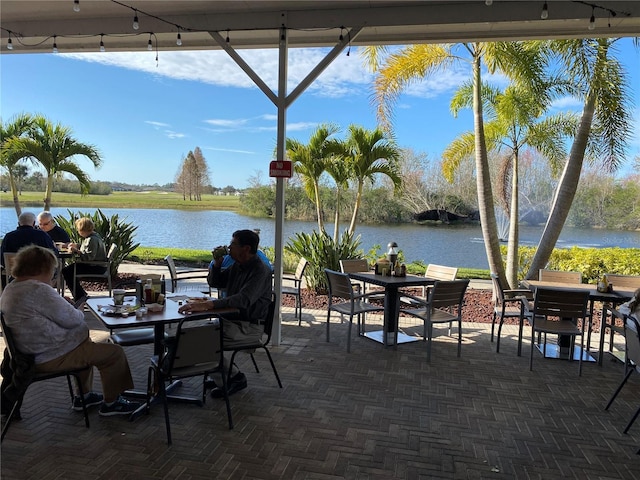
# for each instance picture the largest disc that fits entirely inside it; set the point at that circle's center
(618, 295)
(158, 320)
(389, 335)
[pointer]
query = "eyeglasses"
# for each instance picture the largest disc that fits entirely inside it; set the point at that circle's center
(42, 224)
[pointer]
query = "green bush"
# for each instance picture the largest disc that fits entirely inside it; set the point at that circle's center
(591, 262)
(323, 252)
(112, 230)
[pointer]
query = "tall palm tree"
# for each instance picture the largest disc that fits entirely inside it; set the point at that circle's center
(603, 129)
(310, 161)
(340, 171)
(399, 70)
(15, 128)
(515, 122)
(370, 152)
(53, 146)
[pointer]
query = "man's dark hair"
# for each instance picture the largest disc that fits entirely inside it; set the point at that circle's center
(247, 237)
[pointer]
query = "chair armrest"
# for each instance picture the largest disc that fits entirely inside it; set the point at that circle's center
(92, 262)
(366, 295)
(413, 300)
(196, 273)
(528, 294)
(293, 279)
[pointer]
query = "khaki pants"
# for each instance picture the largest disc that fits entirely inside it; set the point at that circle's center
(108, 358)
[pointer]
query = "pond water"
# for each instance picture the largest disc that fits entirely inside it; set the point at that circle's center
(460, 245)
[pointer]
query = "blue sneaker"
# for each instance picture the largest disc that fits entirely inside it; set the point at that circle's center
(121, 406)
(90, 399)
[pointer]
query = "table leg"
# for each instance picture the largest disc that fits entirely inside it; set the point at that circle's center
(391, 314)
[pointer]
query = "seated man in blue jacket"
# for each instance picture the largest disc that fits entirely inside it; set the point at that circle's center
(25, 234)
(248, 286)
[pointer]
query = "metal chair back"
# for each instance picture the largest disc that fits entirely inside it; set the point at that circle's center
(625, 281)
(196, 350)
(295, 290)
(546, 275)
(21, 389)
(106, 264)
(268, 327)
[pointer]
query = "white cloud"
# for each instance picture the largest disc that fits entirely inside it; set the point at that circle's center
(172, 134)
(157, 125)
(567, 103)
(344, 76)
(220, 122)
(442, 83)
(231, 150)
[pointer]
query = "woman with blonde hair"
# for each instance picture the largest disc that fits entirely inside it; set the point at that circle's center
(48, 327)
(91, 249)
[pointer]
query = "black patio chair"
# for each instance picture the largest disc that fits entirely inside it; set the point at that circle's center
(21, 381)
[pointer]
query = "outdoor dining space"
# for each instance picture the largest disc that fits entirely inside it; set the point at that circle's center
(376, 412)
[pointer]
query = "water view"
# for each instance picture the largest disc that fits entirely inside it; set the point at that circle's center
(448, 245)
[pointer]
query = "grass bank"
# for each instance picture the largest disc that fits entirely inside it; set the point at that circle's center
(147, 199)
(201, 258)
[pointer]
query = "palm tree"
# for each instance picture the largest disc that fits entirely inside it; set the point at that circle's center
(340, 171)
(516, 60)
(15, 128)
(54, 148)
(370, 152)
(604, 126)
(515, 122)
(310, 161)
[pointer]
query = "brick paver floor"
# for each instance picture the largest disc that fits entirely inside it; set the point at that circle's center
(372, 414)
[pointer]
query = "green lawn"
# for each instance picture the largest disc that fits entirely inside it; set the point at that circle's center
(150, 199)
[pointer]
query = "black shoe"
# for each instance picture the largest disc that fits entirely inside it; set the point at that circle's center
(121, 406)
(237, 383)
(90, 400)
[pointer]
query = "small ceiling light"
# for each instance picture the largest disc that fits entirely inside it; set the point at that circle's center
(102, 49)
(150, 44)
(592, 20)
(76, 5)
(545, 12)
(9, 43)
(55, 45)
(488, 3)
(179, 40)
(227, 39)
(136, 24)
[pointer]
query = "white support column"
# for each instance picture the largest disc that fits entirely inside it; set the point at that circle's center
(282, 102)
(276, 334)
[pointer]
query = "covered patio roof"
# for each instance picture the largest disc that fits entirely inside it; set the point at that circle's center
(257, 23)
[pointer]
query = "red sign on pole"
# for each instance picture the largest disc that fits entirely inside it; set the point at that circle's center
(282, 169)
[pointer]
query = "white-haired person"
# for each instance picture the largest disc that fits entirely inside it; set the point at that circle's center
(47, 223)
(92, 249)
(50, 328)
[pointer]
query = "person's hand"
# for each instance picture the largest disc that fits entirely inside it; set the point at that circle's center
(219, 252)
(192, 307)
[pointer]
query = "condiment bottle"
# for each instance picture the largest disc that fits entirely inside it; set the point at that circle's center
(148, 292)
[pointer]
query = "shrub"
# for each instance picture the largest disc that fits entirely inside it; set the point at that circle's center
(591, 262)
(323, 252)
(112, 230)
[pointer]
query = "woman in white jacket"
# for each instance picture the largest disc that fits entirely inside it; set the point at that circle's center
(47, 326)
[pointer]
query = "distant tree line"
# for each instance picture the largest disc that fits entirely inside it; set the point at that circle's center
(602, 200)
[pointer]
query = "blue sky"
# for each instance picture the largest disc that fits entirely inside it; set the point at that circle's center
(145, 116)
